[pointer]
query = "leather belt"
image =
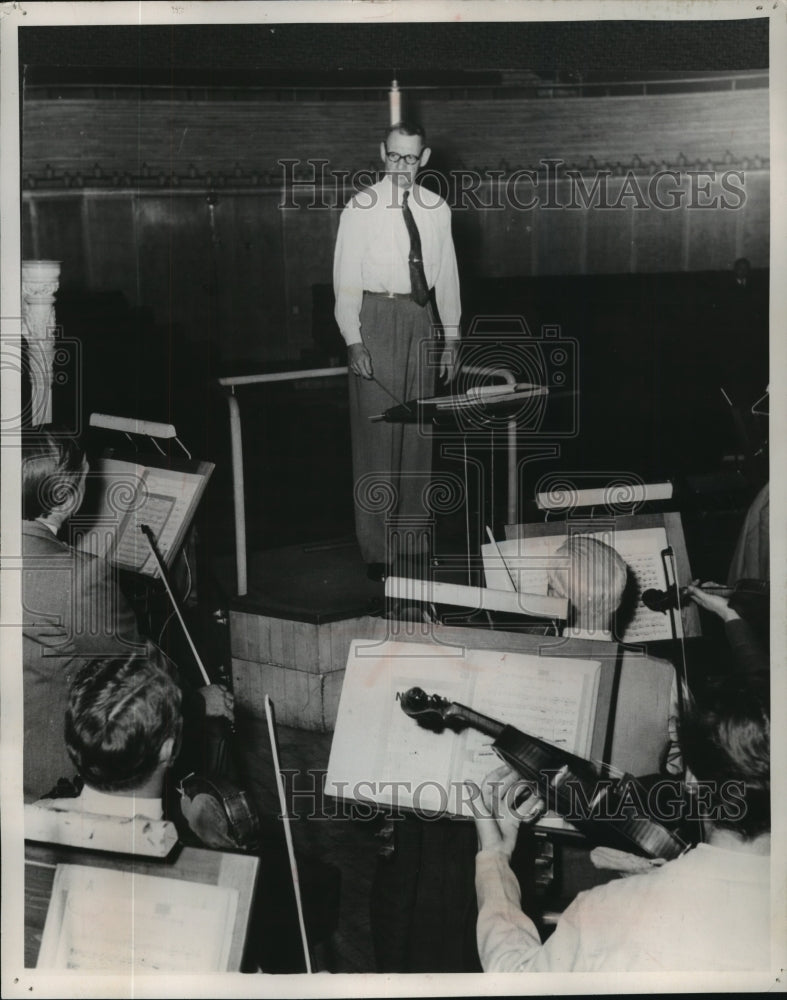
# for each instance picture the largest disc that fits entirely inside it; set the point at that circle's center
(390, 295)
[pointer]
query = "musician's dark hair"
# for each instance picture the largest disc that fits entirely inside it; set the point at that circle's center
(51, 469)
(725, 738)
(405, 128)
(121, 710)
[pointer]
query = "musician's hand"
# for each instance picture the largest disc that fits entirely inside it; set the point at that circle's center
(359, 360)
(716, 603)
(449, 359)
(219, 702)
(503, 802)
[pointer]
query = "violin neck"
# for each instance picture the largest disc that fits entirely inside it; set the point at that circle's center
(485, 725)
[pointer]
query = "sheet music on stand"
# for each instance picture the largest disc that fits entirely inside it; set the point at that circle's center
(100, 919)
(140, 491)
(380, 754)
(528, 561)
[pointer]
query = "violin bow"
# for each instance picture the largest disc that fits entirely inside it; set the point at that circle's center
(296, 885)
(145, 529)
(671, 577)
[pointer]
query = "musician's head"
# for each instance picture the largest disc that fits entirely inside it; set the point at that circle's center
(123, 722)
(742, 270)
(592, 576)
(725, 738)
(404, 141)
(54, 469)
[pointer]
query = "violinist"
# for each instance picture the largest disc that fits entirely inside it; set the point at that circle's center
(592, 576)
(122, 729)
(749, 652)
(706, 910)
(73, 609)
(72, 604)
(423, 905)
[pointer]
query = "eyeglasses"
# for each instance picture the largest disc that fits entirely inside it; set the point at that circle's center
(409, 158)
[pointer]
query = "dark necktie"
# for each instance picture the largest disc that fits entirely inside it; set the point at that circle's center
(419, 288)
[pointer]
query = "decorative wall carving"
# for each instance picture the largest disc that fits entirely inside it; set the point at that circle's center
(159, 177)
(40, 282)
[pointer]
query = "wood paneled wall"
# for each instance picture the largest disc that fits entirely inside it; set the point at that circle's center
(236, 270)
(230, 267)
(214, 135)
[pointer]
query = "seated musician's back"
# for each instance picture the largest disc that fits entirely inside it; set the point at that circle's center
(123, 727)
(72, 605)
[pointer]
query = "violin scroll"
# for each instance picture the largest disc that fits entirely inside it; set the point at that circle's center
(750, 598)
(663, 600)
(428, 710)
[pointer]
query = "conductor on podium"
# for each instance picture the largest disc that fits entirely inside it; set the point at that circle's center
(397, 288)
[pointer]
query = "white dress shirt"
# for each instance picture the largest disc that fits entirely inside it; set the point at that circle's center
(373, 246)
(708, 910)
(91, 800)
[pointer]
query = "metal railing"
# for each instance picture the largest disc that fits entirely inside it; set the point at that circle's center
(231, 383)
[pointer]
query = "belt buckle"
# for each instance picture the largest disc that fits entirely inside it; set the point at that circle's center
(390, 295)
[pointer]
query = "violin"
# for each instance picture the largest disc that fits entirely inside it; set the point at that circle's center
(216, 810)
(219, 813)
(749, 598)
(608, 811)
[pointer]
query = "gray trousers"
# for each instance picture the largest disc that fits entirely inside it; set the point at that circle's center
(392, 462)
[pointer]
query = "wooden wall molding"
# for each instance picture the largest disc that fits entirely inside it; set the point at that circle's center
(149, 177)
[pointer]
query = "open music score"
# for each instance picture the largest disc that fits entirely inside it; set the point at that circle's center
(133, 494)
(527, 561)
(380, 754)
(100, 919)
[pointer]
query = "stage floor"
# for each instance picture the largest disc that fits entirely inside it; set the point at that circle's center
(318, 582)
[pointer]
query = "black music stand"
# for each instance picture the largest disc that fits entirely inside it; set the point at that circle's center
(472, 415)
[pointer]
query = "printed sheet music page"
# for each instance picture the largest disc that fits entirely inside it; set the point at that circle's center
(530, 559)
(381, 754)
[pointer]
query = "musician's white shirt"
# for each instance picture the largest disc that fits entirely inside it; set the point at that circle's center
(708, 910)
(372, 249)
(91, 800)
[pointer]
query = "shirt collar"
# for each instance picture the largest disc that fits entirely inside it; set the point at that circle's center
(126, 806)
(395, 193)
(39, 527)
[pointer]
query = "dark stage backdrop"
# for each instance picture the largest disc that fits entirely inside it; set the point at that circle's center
(182, 208)
(150, 169)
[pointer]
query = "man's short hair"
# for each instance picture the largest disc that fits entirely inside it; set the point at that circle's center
(725, 739)
(593, 580)
(120, 713)
(405, 128)
(52, 465)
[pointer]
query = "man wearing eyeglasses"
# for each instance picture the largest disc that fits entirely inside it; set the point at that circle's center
(396, 286)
